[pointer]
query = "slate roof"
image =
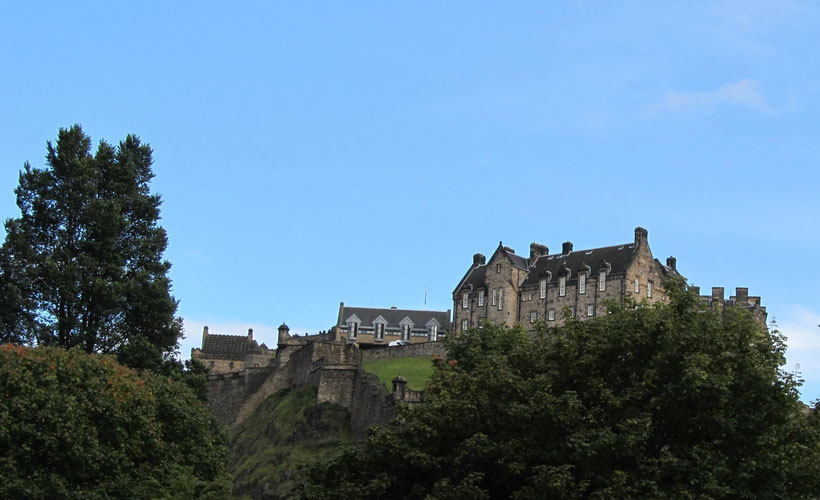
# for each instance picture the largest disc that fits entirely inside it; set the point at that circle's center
(394, 316)
(617, 256)
(234, 346)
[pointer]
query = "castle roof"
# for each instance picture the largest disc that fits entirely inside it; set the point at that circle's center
(614, 259)
(233, 346)
(367, 315)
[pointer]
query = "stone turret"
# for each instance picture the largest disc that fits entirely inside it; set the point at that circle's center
(284, 334)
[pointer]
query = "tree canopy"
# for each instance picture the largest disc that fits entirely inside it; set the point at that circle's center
(659, 401)
(82, 266)
(77, 425)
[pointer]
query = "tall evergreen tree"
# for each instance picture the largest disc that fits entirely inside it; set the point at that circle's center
(82, 266)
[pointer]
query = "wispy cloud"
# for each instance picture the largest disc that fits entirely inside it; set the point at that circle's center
(743, 93)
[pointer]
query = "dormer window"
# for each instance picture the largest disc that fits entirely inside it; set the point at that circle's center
(379, 331)
(465, 300)
(582, 283)
(353, 329)
(562, 286)
(481, 298)
(602, 280)
(405, 332)
(432, 333)
(637, 285)
(543, 288)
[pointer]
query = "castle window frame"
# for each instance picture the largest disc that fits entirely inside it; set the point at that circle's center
(405, 332)
(432, 333)
(498, 268)
(533, 317)
(590, 310)
(463, 325)
(481, 298)
(543, 288)
(495, 296)
(353, 329)
(637, 285)
(465, 300)
(551, 315)
(648, 289)
(582, 283)
(602, 280)
(562, 286)
(500, 299)
(378, 332)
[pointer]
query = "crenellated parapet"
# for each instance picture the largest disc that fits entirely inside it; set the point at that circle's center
(741, 298)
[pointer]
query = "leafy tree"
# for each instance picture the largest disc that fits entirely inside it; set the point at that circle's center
(77, 425)
(82, 266)
(660, 401)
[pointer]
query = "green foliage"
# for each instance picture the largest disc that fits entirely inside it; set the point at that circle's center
(82, 266)
(77, 425)
(287, 430)
(660, 401)
(416, 371)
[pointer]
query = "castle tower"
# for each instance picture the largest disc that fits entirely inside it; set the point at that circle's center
(284, 334)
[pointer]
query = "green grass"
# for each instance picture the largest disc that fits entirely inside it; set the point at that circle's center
(416, 371)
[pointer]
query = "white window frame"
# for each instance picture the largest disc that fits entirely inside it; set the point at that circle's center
(648, 289)
(495, 296)
(582, 283)
(353, 330)
(543, 289)
(405, 332)
(481, 298)
(465, 300)
(602, 281)
(432, 333)
(533, 317)
(590, 310)
(551, 315)
(463, 325)
(378, 331)
(500, 299)
(637, 285)
(562, 286)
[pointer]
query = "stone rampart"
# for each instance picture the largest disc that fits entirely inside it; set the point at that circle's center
(425, 349)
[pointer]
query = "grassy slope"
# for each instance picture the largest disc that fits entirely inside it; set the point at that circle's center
(416, 371)
(287, 429)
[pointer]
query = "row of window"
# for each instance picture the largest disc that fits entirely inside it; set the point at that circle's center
(406, 332)
(498, 294)
(551, 313)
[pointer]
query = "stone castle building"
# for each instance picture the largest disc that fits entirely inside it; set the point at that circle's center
(231, 353)
(547, 286)
(368, 325)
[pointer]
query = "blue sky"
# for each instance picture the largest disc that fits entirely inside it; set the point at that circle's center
(310, 153)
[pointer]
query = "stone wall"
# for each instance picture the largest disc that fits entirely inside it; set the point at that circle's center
(227, 392)
(426, 349)
(336, 383)
(370, 404)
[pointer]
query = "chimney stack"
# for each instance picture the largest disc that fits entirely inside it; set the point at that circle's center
(672, 262)
(742, 296)
(250, 333)
(566, 247)
(537, 250)
(717, 296)
(641, 235)
(695, 289)
(479, 260)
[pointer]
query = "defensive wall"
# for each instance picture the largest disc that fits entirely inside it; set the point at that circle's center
(334, 368)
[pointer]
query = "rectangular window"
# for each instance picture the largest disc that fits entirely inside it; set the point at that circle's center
(602, 281)
(354, 330)
(562, 286)
(405, 332)
(465, 300)
(530, 295)
(543, 289)
(533, 316)
(495, 297)
(463, 325)
(433, 333)
(500, 299)
(379, 332)
(590, 310)
(498, 268)
(571, 312)
(481, 298)
(649, 289)
(551, 315)
(637, 285)
(582, 283)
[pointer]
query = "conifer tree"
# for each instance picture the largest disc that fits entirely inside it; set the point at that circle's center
(82, 266)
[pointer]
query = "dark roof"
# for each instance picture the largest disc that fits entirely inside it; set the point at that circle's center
(235, 346)
(618, 258)
(517, 260)
(394, 316)
(474, 278)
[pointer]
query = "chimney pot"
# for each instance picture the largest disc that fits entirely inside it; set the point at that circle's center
(250, 333)
(566, 247)
(672, 262)
(641, 236)
(478, 260)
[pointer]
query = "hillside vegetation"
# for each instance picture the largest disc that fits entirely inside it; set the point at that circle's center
(417, 371)
(289, 429)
